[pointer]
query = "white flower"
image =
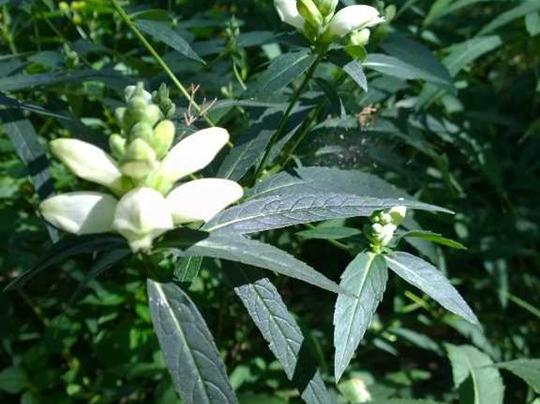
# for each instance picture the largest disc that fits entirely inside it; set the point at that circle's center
(288, 13)
(141, 216)
(193, 153)
(202, 199)
(353, 18)
(384, 233)
(87, 161)
(143, 213)
(80, 212)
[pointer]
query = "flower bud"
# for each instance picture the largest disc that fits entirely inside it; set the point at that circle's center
(398, 213)
(152, 114)
(327, 7)
(354, 18)
(141, 216)
(288, 13)
(141, 130)
(310, 12)
(119, 114)
(138, 90)
(117, 144)
(360, 38)
(63, 6)
(139, 159)
(163, 138)
(87, 161)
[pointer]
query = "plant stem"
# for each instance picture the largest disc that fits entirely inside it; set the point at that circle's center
(284, 118)
(160, 61)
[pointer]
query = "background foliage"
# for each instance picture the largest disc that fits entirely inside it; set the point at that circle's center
(466, 138)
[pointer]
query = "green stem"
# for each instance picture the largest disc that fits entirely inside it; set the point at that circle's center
(160, 61)
(284, 118)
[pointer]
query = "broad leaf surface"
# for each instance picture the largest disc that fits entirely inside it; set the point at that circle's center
(190, 353)
(431, 281)
(365, 279)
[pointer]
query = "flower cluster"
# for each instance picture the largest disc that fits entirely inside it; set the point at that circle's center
(383, 226)
(319, 21)
(141, 173)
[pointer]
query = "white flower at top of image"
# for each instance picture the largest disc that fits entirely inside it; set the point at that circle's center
(288, 13)
(353, 18)
(148, 209)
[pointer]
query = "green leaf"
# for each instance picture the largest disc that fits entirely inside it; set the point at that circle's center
(66, 248)
(328, 233)
(282, 71)
(431, 281)
(319, 179)
(297, 207)
(22, 81)
(466, 52)
(13, 380)
(161, 31)
(417, 55)
(190, 353)
(486, 382)
(237, 248)
(280, 330)
(519, 11)
(187, 268)
(526, 369)
(365, 279)
(356, 72)
(434, 238)
(246, 154)
(532, 23)
(404, 401)
(392, 66)
(440, 8)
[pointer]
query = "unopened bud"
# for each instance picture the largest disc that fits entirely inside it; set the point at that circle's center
(139, 160)
(119, 114)
(63, 6)
(397, 213)
(327, 7)
(118, 145)
(141, 130)
(310, 12)
(163, 138)
(360, 38)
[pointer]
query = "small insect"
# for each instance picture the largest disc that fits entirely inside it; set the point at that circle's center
(367, 116)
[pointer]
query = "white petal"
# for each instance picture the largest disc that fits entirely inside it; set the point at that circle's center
(352, 18)
(87, 161)
(80, 212)
(141, 216)
(288, 13)
(202, 199)
(193, 153)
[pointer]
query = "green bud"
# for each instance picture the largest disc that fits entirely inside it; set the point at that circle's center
(163, 138)
(117, 144)
(141, 130)
(310, 12)
(359, 38)
(327, 7)
(137, 102)
(139, 160)
(152, 114)
(390, 12)
(119, 114)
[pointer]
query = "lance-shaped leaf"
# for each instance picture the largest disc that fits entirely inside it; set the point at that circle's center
(66, 248)
(365, 279)
(278, 211)
(237, 248)
(431, 281)
(485, 381)
(190, 353)
(280, 330)
(526, 369)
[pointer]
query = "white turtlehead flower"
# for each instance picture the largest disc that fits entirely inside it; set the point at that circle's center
(141, 216)
(288, 13)
(384, 233)
(354, 18)
(143, 213)
(80, 212)
(193, 153)
(201, 200)
(87, 161)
